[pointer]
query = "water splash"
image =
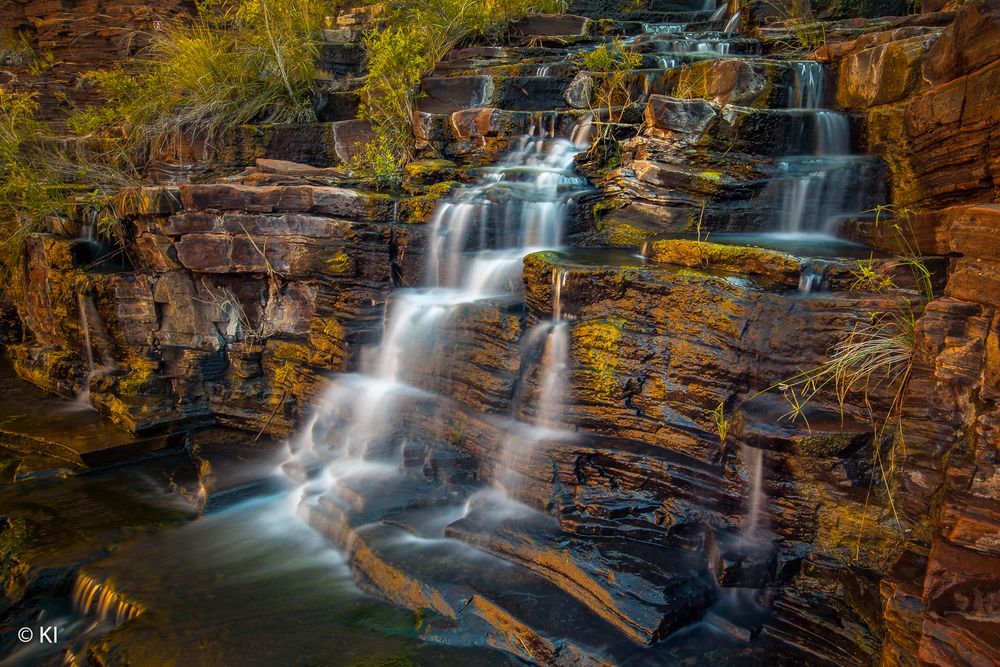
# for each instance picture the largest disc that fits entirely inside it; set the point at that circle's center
(97, 598)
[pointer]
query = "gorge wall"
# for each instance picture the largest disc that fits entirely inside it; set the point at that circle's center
(244, 286)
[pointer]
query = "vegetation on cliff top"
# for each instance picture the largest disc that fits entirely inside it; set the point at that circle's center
(232, 64)
(414, 36)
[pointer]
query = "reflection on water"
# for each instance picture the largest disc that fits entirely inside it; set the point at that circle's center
(248, 585)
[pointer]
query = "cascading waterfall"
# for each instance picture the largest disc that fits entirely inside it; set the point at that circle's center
(808, 85)
(556, 358)
(814, 189)
(478, 242)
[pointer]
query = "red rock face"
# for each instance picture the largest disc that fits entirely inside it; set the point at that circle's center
(79, 37)
(939, 135)
(657, 348)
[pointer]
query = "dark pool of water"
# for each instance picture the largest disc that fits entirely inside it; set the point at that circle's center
(247, 585)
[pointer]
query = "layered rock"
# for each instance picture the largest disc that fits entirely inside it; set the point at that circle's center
(236, 297)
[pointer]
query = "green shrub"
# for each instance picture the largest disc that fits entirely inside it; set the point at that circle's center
(415, 36)
(15, 49)
(379, 162)
(26, 197)
(252, 62)
(610, 64)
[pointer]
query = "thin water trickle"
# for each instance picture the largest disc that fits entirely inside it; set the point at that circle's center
(754, 460)
(85, 331)
(732, 23)
(555, 364)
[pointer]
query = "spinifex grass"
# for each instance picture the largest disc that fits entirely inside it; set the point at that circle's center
(873, 362)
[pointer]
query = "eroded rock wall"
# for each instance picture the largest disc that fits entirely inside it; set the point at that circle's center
(929, 95)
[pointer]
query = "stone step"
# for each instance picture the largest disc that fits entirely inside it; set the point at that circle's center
(479, 599)
(646, 590)
(444, 95)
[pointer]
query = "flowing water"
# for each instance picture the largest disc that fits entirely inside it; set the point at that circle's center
(253, 574)
(817, 187)
(478, 241)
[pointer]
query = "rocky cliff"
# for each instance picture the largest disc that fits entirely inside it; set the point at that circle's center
(241, 290)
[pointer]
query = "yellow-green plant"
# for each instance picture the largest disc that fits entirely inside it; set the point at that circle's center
(27, 193)
(633, 6)
(610, 66)
(414, 36)
(380, 163)
(691, 81)
(808, 32)
(249, 62)
(875, 359)
(15, 49)
(721, 421)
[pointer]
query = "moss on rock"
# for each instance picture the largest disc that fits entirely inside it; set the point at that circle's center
(749, 260)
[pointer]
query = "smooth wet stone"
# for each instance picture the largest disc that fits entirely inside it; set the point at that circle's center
(778, 266)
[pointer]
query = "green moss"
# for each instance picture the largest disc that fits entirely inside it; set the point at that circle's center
(421, 208)
(339, 264)
(619, 233)
(420, 173)
(597, 346)
(734, 258)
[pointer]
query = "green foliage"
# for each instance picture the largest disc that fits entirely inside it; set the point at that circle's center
(414, 37)
(875, 359)
(808, 33)
(634, 6)
(25, 195)
(397, 57)
(613, 58)
(380, 163)
(249, 62)
(721, 421)
(15, 50)
(610, 65)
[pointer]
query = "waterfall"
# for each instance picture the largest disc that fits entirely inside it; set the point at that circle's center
(478, 241)
(813, 277)
(556, 358)
(808, 85)
(85, 331)
(821, 182)
(91, 596)
(732, 23)
(720, 12)
(754, 460)
(663, 28)
(833, 133)
(520, 206)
